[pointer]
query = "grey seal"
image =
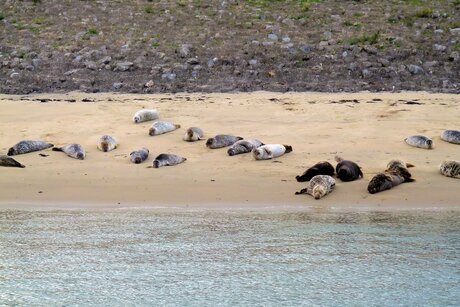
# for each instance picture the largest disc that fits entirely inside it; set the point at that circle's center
(145, 115)
(390, 178)
(139, 156)
(107, 143)
(450, 168)
(244, 146)
(347, 170)
(167, 160)
(419, 141)
(9, 162)
(270, 151)
(451, 136)
(320, 168)
(222, 140)
(161, 127)
(193, 134)
(28, 146)
(319, 186)
(75, 151)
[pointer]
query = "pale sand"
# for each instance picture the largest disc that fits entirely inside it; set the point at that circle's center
(370, 134)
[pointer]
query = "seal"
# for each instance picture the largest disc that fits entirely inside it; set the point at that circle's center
(139, 156)
(28, 146)
(107, 143)
(391, 177)
(347, 170)
(193, 134)
(319, 186)
(451, 136)
(320, 168)
(9, 162)
(419, 141)
(450, 168)
(270, 151)
(222, 140)
(162, 127)
(145, 115)
(167, 160)
(393, 164)
(244, 146)
(75, 151)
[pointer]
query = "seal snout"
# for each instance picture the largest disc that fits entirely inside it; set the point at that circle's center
(231, 152)
(429, 143)
(156, 164)
(137, 160)
(80, 156)
(152, 131)
(10, 152)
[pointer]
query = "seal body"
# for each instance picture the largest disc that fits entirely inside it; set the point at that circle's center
(161, 127)
(270, 151)
(75, 151)
(28, 146)
(398, 163)
(145, 115)
(347, 170)
(320, 168)
(139, 156)
(420, 141)
(167, 160)
(319, 186)
(9, 162)
(222, 140)
(391, 177)
(450, 168)
(451, 136)
(193, 134)
(244, 146)
(107, 143)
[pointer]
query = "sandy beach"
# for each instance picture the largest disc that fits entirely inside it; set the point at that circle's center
(368, 128)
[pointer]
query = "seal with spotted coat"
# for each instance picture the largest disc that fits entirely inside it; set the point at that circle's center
(167, 160)
(107, 143)
(419, 141)
(391, 177)
(28, 146)
(244, 146)
(75, 151)
(270, 151)
(319, 186)
(450, 168)
(222, 140)
(451, 136)
(193, 134)
(139, 156)
(9, 162)
(162, 127)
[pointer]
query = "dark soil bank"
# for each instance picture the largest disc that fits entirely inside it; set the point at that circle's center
(229, 45)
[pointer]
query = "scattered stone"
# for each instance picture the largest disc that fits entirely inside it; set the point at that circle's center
(438, 31)
(117, 85)
(36, 62)
(253, 62)
(193, 61)
(366, 73)
(370, 49)
(90, 65)
(454, 56)
(438, 47)
(212, 62)
(286, 39)
(268, 44)
(168, 76)
(123, 66)
(14, 75)
(415, 69)
(273, 37)
(71, 72)
(327, 35)
(185, 50)
(455, 31)
(149, 84)
(105, 60)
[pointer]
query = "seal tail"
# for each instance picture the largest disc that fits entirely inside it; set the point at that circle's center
(288, 148)
(338, 159)
(409, 165)
(303, 191)
(57, 149)
(177, 126)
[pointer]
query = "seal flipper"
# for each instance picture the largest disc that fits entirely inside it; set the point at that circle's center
(57, 149)
(303, 191)
(409, 165)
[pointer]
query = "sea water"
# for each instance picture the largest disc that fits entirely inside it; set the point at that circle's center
(122, 257)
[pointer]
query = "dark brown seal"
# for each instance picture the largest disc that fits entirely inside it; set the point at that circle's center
(391, 177)
(347, 170)
(320, 168)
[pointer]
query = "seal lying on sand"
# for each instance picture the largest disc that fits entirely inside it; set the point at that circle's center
(167, 160)
(9, 162)
(244, 146)
(193, 134)
(320, 168)
(222, 140)
(75, 151)
(145, 115)
(419, 141)
(319, 186)
(162, 127)
(28, 146)
(347, 170)
(450, 168)
(451, 136)
(107, 143)
(390, 178)
(139, 156)
(398, 163)
(270, 151)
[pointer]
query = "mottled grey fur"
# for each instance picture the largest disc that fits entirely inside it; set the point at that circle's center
(139, 156)
(75, 151)
(9, 162)
(319, 186)
(28, 146)
(167, 160)
(419, 141)
(451, 136)
(243, 146)
(222, 140)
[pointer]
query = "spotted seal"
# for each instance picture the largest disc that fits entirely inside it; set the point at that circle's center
(161, 127)
(28, 146)
(419, 141)
(222, 140)
(167, 160)
(320, 168)
(244, 146)
(139, 156)
(145, 115)
(193, 134)
(347, 170)
(450, 168)
(270, 151)
(107, 143)
(319, 186)
(393, 164)
(451, 136)
(9, 162)
(75, 151)
(391, 177)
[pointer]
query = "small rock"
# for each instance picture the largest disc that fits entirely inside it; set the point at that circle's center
(185, 50)
(168, 76)
(77, 59)
(105, 60)
(195, 74)
(454, 56)
(366, 73)
(273, 37)
(90, 65)
(438, 31)
(455, 31)
(36, 62)
(268, 44)
(344, 54)
(327, 35)
(305, 48)
(430, 64)
(117, 85)
(255, 43)
(29, 67)
(197, 67)
(14, 75)
(323, 43)
(415, 69)
(253, 62)
(370, 49)
(193, 61)
(286, 39)
(437, 47)
(212, 62)
(149, 84)
(71, 72)
(123, 66)
(289, 22)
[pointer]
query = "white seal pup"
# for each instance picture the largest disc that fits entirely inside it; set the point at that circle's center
(139, 156)
(419, 141)
(450, 168)
(193, 134)
(162, 127)
(75, 151)
(107, 143)
(28, 146)
(451, 136)
(9, 162)
(244, 146)
(167, 160)
(270, 151)
(319, 186)
(145, 115)
(222, 140)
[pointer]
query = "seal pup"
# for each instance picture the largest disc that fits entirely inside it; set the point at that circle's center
(75, 151)
(244, 146)
(451, 136)
(167, 160)
(419, 141)
(320, 168)
(107, 143)
(9, 162)
(391, 177)
(28, 146)
(270, 151)
(139, 156)
(145, 115)
(319, 186)
(222, 140)
(393, 164)
(193, 134)
(450, 168)
(162, 127)
(347, 170)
